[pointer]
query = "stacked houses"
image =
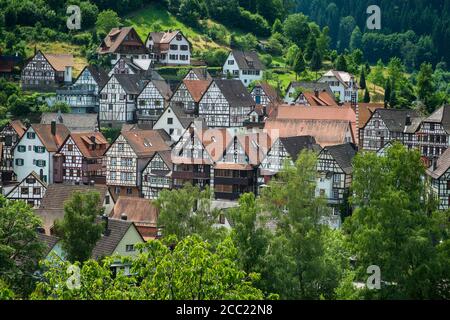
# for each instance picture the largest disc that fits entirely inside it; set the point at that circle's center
(206, 131)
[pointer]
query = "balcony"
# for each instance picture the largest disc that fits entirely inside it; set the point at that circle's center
(242, 181)
(189, 175)
(91, 167)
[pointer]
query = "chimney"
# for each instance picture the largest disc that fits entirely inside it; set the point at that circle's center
(40, 230)
(408, 120)
(105, 220)
(316, 92)
(124, 216)
(434, 163)
(92, 138)
(53, 127)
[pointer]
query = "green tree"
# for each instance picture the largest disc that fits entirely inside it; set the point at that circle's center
(366, 96)
(296, 29)
(341, 63)
(316, 61)
(79, 231)
(393, 225)
(186, 211)
(425, 85)
(291, 55)
(189, 270)
(277, 27)
(300, 64)
(387, 92)
(362, 79)
(249, 234)
(297, 265)
(356, 39)
(106, 20)
(20, 248)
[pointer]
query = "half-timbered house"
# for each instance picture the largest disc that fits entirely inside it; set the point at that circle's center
(433, 134)
(283, 151)
(45, 72)
(9, 137)
(198, 74)
(188, 95)
(343, 85)
(118, 99)
(123, 42)
(439, 174)
(36, 148)
(295, 87)
(265, 95)
(152, 101)
(127, 157)
(192, 162)
(226, 103)
(157, 174)
(235, 172)
(243, 65)
(385, 125)
(30, 190)
(334, 168)
(80, 159)
(82, 96)
(174, 121)
(170, 47)
(135, 66)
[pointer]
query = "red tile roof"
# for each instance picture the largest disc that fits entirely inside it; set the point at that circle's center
(86, 140)
(196, 88)
(51, 142)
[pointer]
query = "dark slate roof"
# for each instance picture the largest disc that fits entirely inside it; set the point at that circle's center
(110, 239)
(49, 241)
(181, 115)
(131, 83)
(395, 119)
(244, 59)
(100, 76)
(163, 88)
(343, 154)
(442, 165)
(442, 116)
(311, 86)
(235, 92)
(294, 145)
(59, 193)
(202, 73)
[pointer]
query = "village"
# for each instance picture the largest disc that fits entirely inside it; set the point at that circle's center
(231, 131)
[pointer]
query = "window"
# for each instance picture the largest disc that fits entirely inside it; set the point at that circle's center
(169, 120)
(19, 162)
(21, 148)
(129, 191)
(230, 62)
(129, 248)
(157, 103)
(110, 107)
(431, 126)
(179, 37)
(107, 199)
(184, 47)
(117, 190)
(171, 131)
(39, 149)
(113, 175)
(37, 191)
(173, 47)
(40, 163)
(120, 147)
(70, 147)
(24, 190)
(31, 135)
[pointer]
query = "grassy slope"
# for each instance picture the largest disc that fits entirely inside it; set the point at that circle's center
(143, 21)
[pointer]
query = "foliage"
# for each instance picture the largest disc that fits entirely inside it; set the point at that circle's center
(79, 231)
(107, 20)
(20, 248)
(158, 272)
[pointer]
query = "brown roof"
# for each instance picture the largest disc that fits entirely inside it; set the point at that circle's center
(138, 210)
(365, 112)
(59, 61)
(322, 99)
(86, 140)
(19, 127)
(145, 142)
(114, 39)
(163, 37)
(58, 194)
(442, 165)
(270, 91)
(326, 132)
(196, 88)
(51, 142)
(345, 113)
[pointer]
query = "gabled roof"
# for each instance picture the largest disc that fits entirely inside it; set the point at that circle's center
(137, 210)
(442, 116)
(58, 194)
(49, 242)
(117, 229)
(163, 37)
(365, 112)
(114, 39)
(18, 127)
(442, 165)
(234, 92)
(270, 91)
(184, 119)
(145, 142)
(51, 142)
(311, 86)
(59, 61)
(131, 83)
(396, 119)
(85, 140)
(163, 88)
(33, 175)
(343, 154)
(196, 88)
(342, 76)
(75, 122)
(140, 66)
(294, 145)
(318, 98)
(100, 76)
(247, 60)
(201, 73)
